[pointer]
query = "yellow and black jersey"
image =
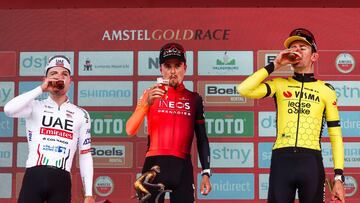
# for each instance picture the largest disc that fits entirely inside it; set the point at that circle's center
(302, 104)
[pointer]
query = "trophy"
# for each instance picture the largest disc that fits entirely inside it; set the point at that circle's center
(144, 183)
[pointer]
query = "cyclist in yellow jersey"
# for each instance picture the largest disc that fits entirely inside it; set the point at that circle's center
(302, 103)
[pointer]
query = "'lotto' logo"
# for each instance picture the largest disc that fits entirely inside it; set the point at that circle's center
(234, 124)
(109, 124)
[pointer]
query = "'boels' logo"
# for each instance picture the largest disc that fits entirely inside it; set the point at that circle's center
(219, 93)
(345, 63)
(104, 186)
(112, 155)
(108, 151)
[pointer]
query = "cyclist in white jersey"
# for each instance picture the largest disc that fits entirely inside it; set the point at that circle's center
(55, 128)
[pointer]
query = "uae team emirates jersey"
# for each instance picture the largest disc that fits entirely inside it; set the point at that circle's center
(171, 122)
(54, 132)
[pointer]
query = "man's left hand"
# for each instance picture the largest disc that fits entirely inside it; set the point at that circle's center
(205, 186)
(89, 199)
(338, 191)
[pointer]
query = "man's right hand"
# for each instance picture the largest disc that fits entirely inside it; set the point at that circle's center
(45, 86)
(282, 59)
(155, 92)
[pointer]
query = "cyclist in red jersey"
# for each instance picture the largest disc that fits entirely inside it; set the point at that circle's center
(173, 115)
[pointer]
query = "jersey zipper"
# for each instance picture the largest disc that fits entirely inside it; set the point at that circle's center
(299, 112)
(174, 117)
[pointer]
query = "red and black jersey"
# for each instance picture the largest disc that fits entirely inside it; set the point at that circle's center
(172, 122)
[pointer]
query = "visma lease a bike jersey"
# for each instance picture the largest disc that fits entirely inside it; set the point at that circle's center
(54, 133)
(302, 102)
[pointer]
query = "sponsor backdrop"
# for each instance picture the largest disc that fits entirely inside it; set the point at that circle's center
(114, 53)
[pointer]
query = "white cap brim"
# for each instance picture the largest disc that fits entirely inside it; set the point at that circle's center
(60, 61)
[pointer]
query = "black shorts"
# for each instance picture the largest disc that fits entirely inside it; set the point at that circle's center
(44, 183)
(302, 170)
(176, 174)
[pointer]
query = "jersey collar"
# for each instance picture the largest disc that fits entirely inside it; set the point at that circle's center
(180, 88)
(304, 77)
(50, 100)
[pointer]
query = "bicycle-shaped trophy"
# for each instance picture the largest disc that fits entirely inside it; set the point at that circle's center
(144, 183)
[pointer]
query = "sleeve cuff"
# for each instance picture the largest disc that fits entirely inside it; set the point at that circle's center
(270, 68)
(338, 171)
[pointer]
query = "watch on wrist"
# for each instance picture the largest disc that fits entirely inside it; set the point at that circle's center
(206, 172)
(340, 178)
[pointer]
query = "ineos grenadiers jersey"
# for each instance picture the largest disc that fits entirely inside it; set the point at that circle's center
(171, 124)
(302, 103)
(54, 133)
